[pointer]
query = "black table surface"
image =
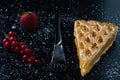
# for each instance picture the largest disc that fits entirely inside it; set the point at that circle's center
(41, 41)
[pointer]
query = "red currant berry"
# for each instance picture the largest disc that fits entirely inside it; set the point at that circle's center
(31, 60)
(21, 53)
(28, 52)
(22, 43)
(7, 45)
(12, 33)
(13, 38)
(37, 61)
(23, 47)
(15, 44)
(5, 40)
(17, 49)
(25, 58)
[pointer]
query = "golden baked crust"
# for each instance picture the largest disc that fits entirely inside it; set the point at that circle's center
(92, 39)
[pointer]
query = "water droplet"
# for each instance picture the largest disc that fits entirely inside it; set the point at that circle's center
(6, 10)
(13, 27)
(56, 7)
(36, 71)
(0, 47)
(30, 43)
(93, 4)
(16, 20)
(46, 30)
(68, 8)
(53, 16)
(43, 12)
(48, 15)
(6, 17)
(1, 9)
(72, 62)
(51, 74)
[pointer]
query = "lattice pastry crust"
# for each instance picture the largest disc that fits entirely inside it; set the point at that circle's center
(92, 39)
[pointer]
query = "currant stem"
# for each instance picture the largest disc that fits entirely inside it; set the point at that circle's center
(4, 34)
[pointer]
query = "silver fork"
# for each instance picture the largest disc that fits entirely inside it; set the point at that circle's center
(58, 57)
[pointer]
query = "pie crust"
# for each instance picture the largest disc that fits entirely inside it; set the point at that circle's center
(92, 39)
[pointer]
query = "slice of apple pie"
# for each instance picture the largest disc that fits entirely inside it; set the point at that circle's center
(92, 39)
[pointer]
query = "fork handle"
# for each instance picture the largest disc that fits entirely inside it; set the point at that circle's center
(58, 36)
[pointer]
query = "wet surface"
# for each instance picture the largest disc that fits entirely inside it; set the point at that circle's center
(41, 41)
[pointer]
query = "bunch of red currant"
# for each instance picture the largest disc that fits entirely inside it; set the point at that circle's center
(11, 43)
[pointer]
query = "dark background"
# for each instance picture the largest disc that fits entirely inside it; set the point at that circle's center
(41, 41)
